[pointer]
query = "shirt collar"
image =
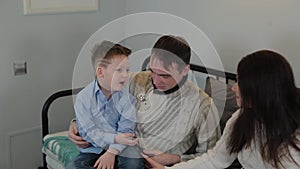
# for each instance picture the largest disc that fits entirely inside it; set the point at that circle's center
(172, 90)
(98, 93)
(100, 97)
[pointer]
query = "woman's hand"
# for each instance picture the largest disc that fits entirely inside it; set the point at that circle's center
(74, 137)
(152, 163)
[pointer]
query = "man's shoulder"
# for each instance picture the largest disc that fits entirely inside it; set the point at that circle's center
(140, 78)
(140, 82)
(195, 89)
(141, 74)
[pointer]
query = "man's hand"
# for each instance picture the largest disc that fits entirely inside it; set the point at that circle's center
(106, 161)
(73, 136)
(162, 158)
(126, 139)
(152, 163)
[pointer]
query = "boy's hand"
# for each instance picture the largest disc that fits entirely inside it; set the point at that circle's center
(73, 136)
(126, 139)
(106, 161)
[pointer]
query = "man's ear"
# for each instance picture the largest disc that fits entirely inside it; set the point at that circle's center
(186, 69)
(99, 72)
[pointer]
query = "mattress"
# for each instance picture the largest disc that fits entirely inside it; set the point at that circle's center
(59, 150)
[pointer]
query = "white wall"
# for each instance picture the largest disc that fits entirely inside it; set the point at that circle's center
(238, 27)
(51, 43)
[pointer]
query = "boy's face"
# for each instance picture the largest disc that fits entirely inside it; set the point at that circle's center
(115, 75)
(165, 79)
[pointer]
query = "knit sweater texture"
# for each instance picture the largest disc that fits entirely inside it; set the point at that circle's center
(174, 122)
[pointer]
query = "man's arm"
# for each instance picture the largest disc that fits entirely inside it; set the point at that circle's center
(217, 157)
(162, 158)
(74, 137)
(208, 132)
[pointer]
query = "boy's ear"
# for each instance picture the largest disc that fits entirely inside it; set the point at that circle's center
(99, 71)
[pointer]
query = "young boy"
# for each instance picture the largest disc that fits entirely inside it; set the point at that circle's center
(105, 112)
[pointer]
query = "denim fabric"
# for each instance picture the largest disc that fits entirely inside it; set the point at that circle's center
(129, 159)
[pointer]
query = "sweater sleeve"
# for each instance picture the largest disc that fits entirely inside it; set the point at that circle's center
(216, 158)
(208, 131)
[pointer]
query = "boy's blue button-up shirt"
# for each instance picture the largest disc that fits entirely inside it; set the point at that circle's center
(99, 120)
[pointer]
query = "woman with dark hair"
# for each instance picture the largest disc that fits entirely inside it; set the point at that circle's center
(264, 132)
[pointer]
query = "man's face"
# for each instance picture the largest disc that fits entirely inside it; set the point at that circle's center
(165, 79)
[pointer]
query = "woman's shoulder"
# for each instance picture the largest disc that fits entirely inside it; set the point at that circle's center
(231, 121)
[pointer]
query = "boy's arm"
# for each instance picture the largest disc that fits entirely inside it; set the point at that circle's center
(127, 122)
(94, 134)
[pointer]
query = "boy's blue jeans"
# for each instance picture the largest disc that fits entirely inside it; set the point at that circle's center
(130, 158)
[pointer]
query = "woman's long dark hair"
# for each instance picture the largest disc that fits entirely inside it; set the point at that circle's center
(270, 113)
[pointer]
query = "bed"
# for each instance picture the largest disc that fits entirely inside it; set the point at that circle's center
(57, 150)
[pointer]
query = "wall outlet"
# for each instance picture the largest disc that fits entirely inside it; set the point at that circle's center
(20, 68)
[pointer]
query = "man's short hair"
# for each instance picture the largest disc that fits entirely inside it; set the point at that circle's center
(172, 49)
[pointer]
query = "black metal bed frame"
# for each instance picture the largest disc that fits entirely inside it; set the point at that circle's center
(45, 109)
